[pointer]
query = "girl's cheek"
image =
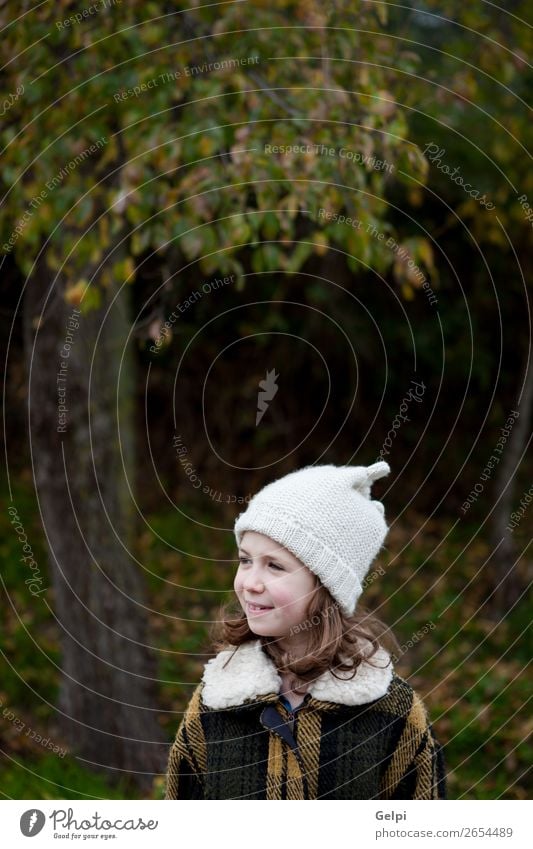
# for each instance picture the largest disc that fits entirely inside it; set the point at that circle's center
(285, 600)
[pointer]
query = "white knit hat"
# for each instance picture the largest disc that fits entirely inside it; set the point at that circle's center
(325, 517)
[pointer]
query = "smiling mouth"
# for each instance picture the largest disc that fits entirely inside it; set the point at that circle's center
(257, 608)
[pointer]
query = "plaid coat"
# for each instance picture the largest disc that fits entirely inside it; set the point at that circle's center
(364, 738)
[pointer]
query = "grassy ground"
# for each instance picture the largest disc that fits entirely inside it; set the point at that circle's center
(470, 670)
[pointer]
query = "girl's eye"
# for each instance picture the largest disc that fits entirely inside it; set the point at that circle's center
(273, 565)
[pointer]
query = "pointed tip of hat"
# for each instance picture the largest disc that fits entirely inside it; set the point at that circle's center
(378, 470)
(364, 476)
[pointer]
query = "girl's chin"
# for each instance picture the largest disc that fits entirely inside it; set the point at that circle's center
(257, 620)
(261, 625)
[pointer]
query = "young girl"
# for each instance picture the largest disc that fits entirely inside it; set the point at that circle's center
(301, 700)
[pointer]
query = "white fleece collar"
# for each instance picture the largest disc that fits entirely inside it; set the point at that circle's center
(251, 674)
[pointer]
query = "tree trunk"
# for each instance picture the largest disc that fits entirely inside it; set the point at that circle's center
(83, 467)
(505, 582)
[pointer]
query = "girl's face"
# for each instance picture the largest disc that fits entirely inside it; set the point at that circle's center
(272, 578)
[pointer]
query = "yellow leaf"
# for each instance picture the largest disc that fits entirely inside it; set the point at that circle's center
(381, 10)
(496, 237)
(425, 252)
(321, 243)
(206, 145)
(129, 269)
(75, 294)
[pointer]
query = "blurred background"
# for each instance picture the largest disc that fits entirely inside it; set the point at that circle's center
(237, 239)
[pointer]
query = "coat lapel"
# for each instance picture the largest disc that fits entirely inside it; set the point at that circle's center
(234, 677)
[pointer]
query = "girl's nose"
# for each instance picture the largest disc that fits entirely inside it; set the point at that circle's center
(253, 580)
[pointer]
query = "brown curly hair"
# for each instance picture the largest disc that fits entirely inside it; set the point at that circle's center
(335, 641)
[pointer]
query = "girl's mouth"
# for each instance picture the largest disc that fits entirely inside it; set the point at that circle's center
(257, 609)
